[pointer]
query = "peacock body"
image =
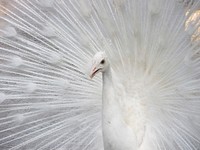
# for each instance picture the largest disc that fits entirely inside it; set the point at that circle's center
(147, 98)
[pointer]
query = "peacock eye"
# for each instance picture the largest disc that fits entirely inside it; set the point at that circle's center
(103, 61)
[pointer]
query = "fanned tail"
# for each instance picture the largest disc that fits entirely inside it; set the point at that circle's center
(47, 101)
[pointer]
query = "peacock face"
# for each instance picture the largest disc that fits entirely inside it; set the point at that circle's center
(99, 63)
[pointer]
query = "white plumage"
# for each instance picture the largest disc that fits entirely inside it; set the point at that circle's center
(147, 98)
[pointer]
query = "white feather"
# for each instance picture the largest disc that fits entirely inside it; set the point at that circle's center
(19, 118)
(48, 103)
(16, 61)
(46, 3)
(9, 31)
(31, 87)
(2, 97)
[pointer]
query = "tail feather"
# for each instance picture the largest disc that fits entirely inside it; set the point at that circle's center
(47, 102)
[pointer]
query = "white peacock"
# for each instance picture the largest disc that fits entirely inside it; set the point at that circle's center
(146, 99)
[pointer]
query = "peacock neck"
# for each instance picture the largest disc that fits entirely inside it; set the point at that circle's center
(107, 78)
(108, 89)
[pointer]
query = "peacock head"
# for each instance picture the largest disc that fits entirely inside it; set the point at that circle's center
(99, 63)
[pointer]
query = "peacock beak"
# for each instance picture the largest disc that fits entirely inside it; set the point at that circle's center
(93, 72)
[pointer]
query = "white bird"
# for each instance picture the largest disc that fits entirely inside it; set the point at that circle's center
(146, 99)
(117, 133)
